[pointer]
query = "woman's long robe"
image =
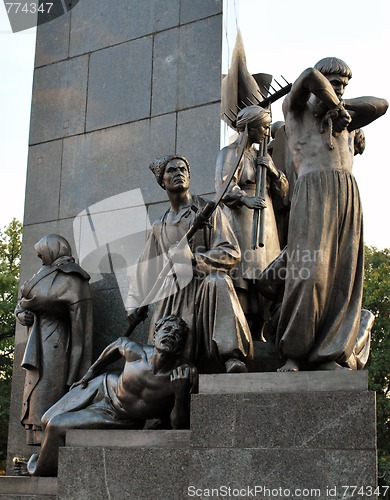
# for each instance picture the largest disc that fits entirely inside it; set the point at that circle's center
(59, 345)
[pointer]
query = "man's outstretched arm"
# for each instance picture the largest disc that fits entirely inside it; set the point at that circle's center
(364, 110)
(120, 348)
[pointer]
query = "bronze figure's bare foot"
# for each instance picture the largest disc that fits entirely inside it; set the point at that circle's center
(290, 366)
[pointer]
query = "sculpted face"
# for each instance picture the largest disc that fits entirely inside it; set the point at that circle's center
(257, 133)
(167, 338)
(338, 83)
(176, 176)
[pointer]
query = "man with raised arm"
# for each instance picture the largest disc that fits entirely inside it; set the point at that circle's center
(321, 307)
(156, 383)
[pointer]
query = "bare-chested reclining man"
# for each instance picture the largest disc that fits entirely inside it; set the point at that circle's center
(155, 383)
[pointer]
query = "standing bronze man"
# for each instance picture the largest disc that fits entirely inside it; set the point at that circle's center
(199, 288)
(321, 307)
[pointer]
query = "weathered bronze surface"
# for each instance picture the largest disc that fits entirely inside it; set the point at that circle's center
(243, 202)
(198, 288)
(156, 383)
(56, 307)
(206, 278)
(321, 307)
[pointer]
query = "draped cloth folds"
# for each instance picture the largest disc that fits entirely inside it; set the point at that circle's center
(207, 301)
(59, 345)
(321, 307)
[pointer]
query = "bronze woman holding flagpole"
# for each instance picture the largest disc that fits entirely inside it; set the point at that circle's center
(243, 202)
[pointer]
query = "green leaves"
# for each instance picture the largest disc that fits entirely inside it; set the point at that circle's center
(10, 246)
(376, 298)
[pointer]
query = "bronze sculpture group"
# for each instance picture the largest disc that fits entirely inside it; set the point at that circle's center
(216, 290)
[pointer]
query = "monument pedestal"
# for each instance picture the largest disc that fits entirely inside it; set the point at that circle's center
(259, 435)
(28, 488)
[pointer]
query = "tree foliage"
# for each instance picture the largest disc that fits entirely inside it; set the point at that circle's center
(10, 246)
(376, 298)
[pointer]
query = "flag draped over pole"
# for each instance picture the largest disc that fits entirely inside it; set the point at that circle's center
(239, 87)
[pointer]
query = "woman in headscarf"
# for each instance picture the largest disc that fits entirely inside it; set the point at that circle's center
(242, 201)
(56, 307)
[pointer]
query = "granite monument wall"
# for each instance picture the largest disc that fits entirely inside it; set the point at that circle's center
(116, 84)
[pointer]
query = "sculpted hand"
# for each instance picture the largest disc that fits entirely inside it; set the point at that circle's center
(201, 221)
(267, 162)
(84, 381)
(340, 119)
(253, 202)
(26, 318)
(181, 379)
(79, 382)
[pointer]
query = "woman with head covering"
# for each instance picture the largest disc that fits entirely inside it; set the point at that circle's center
(241, 199)
(56, 307)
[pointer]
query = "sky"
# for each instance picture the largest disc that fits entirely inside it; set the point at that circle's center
(284, 37)
(16, 63)
(281, 37)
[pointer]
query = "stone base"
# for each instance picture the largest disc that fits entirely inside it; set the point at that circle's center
(155, 473)
(272, 436)
(315, 381)
(312, 431)
(28, 488)
(129, 439)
